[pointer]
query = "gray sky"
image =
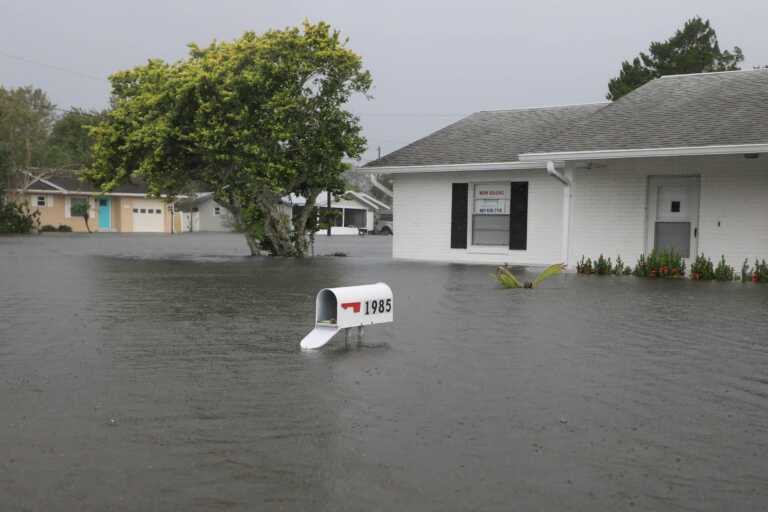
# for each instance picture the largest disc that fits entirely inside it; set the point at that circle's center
(433, 61)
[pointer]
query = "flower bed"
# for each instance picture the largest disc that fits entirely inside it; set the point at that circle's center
(670, 265)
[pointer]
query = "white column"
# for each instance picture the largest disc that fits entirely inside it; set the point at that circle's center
(567, 209)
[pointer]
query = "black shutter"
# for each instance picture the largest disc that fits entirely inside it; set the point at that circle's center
(518, 215)
(459, 216)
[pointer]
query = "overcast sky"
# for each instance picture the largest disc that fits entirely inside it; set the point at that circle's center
(433, 61)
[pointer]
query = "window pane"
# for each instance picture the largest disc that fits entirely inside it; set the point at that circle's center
(354, 218)
(490, 219)
(334, 217)
(490, 230)
(675, 236)
(74, 201)
(40, 200)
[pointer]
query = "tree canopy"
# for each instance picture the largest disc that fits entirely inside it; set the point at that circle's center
(26, 118)
(692, 49)
(34, 135)
(252, 120)
(70, 140)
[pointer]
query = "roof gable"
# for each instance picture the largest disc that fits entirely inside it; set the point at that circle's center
(42, 185)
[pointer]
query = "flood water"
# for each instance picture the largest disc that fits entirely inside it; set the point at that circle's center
(155, 373)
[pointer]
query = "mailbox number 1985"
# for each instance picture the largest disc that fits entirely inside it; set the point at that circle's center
(373, 307)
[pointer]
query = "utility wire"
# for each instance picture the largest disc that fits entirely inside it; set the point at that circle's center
(93, 77)
(51, 66)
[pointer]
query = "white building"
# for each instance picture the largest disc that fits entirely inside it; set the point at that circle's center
(202, 213)
(678, 163)
(354, 211)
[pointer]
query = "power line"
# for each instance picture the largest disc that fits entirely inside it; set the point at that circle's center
(51, 66)
(100, 79)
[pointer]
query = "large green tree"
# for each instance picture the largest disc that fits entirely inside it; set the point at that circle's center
(251, 120)
(70, 140)
(26, 119)
(692, 49)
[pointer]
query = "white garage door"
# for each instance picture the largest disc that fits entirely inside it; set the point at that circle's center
(148, 216)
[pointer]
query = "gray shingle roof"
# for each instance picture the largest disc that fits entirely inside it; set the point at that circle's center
(489, 136)
(39, 185)
(71, 183)
(676, 111)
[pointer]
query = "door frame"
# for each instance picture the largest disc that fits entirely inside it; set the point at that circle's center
(693, 181)
(109, 213)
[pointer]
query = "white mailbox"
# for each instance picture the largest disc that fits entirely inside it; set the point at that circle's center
(350, 306)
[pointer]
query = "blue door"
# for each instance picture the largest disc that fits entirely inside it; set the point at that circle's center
(105, 205)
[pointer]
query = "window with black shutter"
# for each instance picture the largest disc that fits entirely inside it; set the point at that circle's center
(518, 215)
(459, 212)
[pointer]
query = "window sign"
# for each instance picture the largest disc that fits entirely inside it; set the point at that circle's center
(490, 219)
(491, 199)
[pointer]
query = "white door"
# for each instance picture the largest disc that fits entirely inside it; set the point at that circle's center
(190, 222)
(148, 216)
(195, 221)
(673, 208)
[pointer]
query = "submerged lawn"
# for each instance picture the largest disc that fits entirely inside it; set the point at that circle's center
(158, 373)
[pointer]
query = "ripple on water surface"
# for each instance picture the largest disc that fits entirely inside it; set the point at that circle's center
(155, 372)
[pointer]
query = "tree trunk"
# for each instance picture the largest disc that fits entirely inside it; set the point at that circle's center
(280, 233)
(303, 243)
(277, 227)
(253, 244)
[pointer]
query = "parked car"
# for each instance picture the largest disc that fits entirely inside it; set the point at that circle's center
(384, 224)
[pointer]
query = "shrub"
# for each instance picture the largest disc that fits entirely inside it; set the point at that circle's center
(16, 218)
(620, 269)
(702, 269)
(584, 266)
(603, 266)
(745, 274)
(760, 272)
(660, 264)
(47, 228)
(641, 267)
(63, 228)
(723, 271)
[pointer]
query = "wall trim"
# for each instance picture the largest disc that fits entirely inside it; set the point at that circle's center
(468, 167)
(645, 153)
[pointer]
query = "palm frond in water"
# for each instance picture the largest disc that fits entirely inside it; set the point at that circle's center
(506, 278)
(548, 272)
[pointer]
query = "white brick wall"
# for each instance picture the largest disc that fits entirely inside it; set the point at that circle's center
(609, 206)
(608, 212)
(422, 218)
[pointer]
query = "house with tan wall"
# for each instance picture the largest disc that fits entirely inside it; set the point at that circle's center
(127, 209)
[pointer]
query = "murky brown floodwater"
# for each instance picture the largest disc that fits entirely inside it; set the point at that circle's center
(587, 394)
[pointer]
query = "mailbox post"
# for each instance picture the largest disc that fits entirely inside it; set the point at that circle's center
(350, 306)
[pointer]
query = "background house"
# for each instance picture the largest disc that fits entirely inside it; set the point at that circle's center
(202, 213)
(353, 211)
(126, 209)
